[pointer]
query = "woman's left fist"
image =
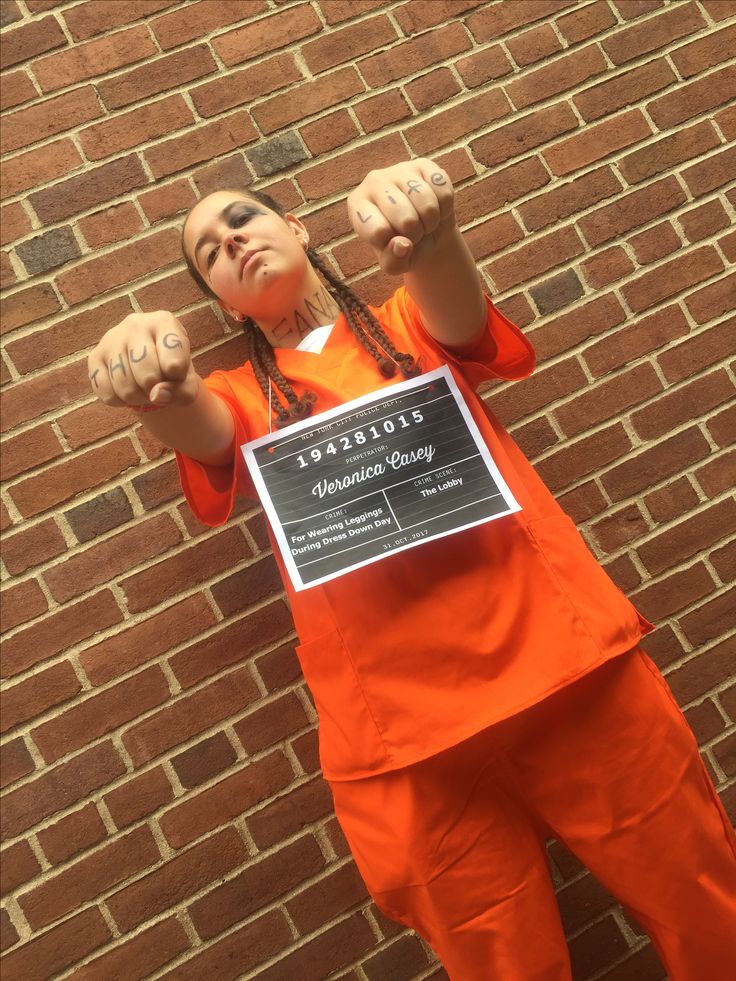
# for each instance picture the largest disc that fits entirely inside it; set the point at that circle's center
(401, 210)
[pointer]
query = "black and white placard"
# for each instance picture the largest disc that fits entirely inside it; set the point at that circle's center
(379, 474)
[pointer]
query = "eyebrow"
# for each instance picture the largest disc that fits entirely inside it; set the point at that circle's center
(224, 214)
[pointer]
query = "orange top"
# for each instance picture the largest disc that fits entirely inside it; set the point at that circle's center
(410, 655)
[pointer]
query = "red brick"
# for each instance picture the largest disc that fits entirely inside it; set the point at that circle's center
(171, 292)
(197, 19)
(631, 210)
(85, 20)
(656, 463)
(597, 142)
(723, 427)
(87, 878)
(495, 21)
(131, 647)
(103, 562)
(654, 34)
(411, 56)
(244, 86)
(94, 58)
(266, 34)
(704, 53)
(142, 955)
(285, 816)
(92, 422)
(227, 799)
(424, 138)
(122, 266)
(484, 65)
(591, 453)
(560, 75)
(536, 257)
(37, 694)
(249, 586)
(338, 173)
(712, 173)
(14, 223)
(179, 877)
(716, 476)
(672, 277)
(25, 306)
(101, 713)
(387, 107)
(7, 272)
(129, 129)
(667, 153)
(89, 189)
(8, 934)
(655, 243)
(16, 89)
(273, 723)
(671, 501)
(705, 624)
(611, 94)
(231, 644)
(257, 886)
(552, 205)
(202, 143)
(94, 517)
(139, 796)
(585, 22)
(203, 761)
(49, 118)
(117, 223)
(329, 132)
(263, 938)
(58, 949)
(156, 77)
(74, 833)
(225, 172)
(168, 200)
(22, 602)
(73, 476)
(607, 267)
(29, 450)
(18, 866)
(31, 546)
(603, 401)
(690, 537)
(323, 93)
(329, 898)
(36, 167)
(15, 761)
(68, 336)
(349, 43)
(672, 409)
(713, 300)
(522, 135)
(29, 40)
(60, 787)
(184, 570)
(59, 631)
(278, 668)
(350, 940)
(190, 714)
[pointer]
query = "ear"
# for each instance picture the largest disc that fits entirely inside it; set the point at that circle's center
(299, 229)
(231, 311)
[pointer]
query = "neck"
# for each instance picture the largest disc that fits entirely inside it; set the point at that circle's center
(314, 308)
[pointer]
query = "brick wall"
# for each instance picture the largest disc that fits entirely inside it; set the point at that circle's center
(164, 812)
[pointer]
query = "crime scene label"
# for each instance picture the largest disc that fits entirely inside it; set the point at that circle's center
(379, 474)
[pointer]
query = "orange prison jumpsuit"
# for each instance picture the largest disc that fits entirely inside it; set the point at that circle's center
(472, 698)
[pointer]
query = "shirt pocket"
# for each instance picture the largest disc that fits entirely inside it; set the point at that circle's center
(609, 616)
(350, 743)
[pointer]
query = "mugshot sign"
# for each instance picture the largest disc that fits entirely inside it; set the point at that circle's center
(379, 474)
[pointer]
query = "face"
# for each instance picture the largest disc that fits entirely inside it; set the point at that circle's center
(219, 232)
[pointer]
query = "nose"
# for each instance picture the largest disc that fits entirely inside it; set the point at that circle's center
(231, 241)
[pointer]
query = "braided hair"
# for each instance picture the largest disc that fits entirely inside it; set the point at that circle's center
(366, 328)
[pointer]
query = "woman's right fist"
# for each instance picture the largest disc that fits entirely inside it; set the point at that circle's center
(144, 359)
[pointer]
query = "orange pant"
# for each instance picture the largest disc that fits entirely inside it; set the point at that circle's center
(453, 846)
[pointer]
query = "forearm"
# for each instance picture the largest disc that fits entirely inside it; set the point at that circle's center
(203, 429)
(445, 284)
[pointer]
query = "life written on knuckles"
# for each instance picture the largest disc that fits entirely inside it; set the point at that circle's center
(382, 473)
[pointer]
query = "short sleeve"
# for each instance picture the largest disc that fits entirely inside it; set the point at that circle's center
(210, 491)
(501, 351)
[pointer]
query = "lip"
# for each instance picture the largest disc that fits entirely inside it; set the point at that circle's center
(248, 258)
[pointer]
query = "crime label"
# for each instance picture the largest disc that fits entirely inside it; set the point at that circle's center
(379, 474)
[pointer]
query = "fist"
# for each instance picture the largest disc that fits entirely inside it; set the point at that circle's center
(144, 359)
(400, 211)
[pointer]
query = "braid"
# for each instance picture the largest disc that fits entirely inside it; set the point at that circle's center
(355, 311)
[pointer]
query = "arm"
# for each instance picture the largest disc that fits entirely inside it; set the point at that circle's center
(203, 429)
(444, 283)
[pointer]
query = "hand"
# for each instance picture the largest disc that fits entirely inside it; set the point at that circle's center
(144, 359)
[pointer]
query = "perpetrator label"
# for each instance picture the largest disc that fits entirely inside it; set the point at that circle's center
(377, 475)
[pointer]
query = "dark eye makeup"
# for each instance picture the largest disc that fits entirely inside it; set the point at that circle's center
(235, 220)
